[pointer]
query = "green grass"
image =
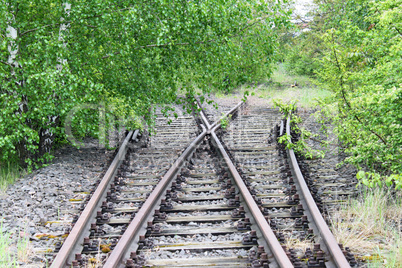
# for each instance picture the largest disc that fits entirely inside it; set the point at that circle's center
(12, 252)
(282, 85)
(370, 226)
(13, 246)
(9, 173)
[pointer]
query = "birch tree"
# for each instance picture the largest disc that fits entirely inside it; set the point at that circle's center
(132, 54)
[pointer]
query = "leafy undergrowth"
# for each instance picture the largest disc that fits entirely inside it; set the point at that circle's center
(371, 227)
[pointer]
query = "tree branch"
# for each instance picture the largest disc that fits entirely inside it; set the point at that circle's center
(188, 43)
(71, 22)
(344, 97)
(42, 27)
(400, 33)
(6, 63)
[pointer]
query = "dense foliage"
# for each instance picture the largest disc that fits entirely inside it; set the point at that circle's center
(107, 59)
(359, 58)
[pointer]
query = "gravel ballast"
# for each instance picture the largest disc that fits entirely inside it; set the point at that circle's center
(37, 206)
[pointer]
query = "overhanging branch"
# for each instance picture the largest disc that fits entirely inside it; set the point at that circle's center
(344, 97)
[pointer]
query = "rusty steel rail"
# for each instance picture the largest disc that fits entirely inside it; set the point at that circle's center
(317, 222)
(217, 122)
(272, 242)
(274, 246)
(126, 243)
(81, 228)
(282, 260)
(202, 114)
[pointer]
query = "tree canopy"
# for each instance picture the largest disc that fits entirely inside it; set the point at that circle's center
(357, 55)
(125, 55)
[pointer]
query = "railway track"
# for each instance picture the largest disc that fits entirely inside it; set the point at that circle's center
(278, 186)
(330, 186)
(204, 210)
(136, 169)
